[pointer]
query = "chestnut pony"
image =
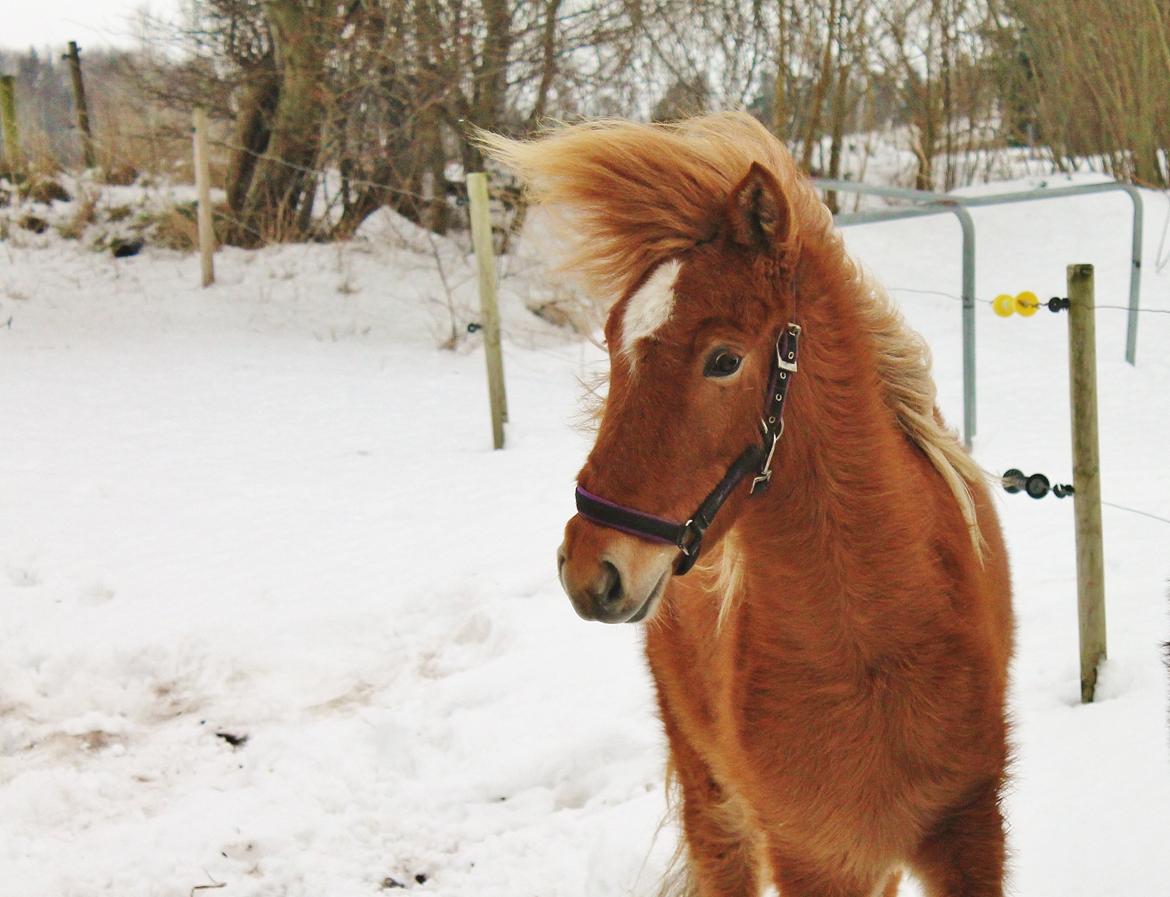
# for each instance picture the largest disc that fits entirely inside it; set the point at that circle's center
(831, 675)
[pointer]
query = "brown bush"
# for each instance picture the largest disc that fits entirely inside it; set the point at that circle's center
(1098, 79)
(40, 188)
(177, 227)
(83, 216)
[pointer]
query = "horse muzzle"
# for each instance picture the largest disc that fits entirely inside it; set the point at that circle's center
(610, 576)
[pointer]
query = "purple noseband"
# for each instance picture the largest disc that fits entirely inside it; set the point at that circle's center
(688, 537)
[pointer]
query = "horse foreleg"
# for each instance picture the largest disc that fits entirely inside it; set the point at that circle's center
(963, 856)
(722, 858)
(798, 877)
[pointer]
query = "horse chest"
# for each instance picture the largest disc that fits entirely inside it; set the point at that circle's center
(693, 664)
(808, 749)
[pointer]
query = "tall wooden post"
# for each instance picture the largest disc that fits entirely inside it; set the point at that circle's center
(481, 238)
(12, 158)
(74, 59)
(1082, 359)
(203, 185)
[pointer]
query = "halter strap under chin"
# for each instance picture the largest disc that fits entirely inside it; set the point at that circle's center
(688, 537)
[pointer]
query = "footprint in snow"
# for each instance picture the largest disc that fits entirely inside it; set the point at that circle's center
(95, 594)
(477, 640)
(24, 577)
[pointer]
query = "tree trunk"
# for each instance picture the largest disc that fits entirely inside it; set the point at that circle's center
(435, 170)
(361, 200)
(548, 63)
(839, 110)
(250, 135)
(780, 90)
(812, 131)
(927, 122)
(491, 76)
(284, 180)
(948, 103)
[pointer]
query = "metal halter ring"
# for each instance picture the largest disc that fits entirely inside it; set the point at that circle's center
(688, 548)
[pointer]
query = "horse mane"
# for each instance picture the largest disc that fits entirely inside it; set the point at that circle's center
(625, 196)
(904, 364)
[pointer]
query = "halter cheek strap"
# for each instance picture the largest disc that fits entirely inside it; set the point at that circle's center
(688, 537)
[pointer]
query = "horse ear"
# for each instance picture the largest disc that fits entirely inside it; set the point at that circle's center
(758, 213)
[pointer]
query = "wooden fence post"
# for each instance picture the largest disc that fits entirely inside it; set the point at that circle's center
(203, 184)
(1082, 359)
(79, 104)
(481, 238)
(12, 159)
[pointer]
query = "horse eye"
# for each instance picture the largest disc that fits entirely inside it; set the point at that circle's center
(721, 363)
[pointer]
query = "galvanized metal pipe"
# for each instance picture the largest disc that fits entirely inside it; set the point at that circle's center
(941, 204)
(1135, 255)
(930, 203)
(928, 197)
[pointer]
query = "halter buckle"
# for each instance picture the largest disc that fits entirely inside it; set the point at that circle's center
(761, 481)
(691, 546)
(764, 477)
(783, 363)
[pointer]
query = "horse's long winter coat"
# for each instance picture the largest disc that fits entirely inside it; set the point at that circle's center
(831, 675)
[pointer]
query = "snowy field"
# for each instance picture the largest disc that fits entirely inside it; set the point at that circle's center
(268, 513)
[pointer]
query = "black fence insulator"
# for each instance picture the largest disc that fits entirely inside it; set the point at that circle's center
(473, 327)
(1013, 480)
(1035, 486)
(1057, 303)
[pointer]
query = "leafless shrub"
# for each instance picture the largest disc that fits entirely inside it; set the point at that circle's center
(83, 216)
(1093, 77)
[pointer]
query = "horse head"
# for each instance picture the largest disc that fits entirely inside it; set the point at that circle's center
(692, 351)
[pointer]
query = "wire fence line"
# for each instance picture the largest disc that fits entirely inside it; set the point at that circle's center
(268, 157)
(1143, 311)
(1165, 520)
(1162, 311)
(324, 174)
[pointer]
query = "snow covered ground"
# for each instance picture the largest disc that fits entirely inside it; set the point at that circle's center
(270, 510)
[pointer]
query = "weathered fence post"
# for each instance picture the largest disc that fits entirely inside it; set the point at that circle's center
(79, 104)
(12, 158)
(968, 298)
(203, 184)
(1082, 359)
(481, 237)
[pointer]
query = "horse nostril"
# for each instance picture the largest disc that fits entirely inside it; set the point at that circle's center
(609, 588)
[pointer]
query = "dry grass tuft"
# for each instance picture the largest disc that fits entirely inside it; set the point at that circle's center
(83, 216)
(177, 227)
(44, 189)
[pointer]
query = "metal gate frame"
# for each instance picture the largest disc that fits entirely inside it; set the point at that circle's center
(929, 203)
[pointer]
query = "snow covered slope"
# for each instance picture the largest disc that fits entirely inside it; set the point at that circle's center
(270, 510)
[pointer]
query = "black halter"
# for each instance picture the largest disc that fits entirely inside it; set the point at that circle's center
(688, 537)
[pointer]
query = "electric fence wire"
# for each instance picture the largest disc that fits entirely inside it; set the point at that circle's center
(1165, 520)
(1144, 311)
(322, 173)
(1111, 504)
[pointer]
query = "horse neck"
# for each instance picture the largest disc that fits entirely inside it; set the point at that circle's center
(838, 508)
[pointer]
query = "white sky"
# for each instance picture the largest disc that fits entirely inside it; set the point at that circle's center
(92, 23)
